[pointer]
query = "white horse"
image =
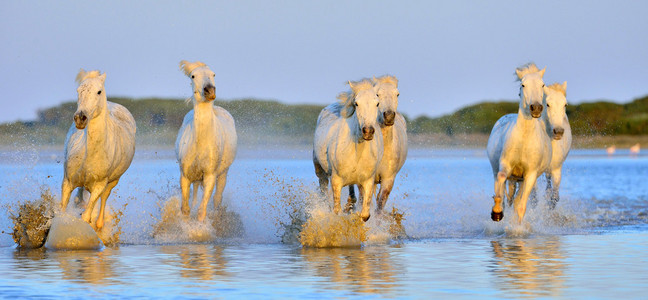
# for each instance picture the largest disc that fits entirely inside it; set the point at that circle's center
(519, 148)
(394, 133)
(345, 147)
(559, 131)
(99, 146)
(206, 143)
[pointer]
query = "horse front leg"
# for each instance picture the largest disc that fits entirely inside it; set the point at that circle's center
(321, 175)
(220, 187)
(185, 185)
(66, 190)
(386, 185)
(209, 181)
(336, 185)
(104, 198)
(95, 192)
(555, 189)
(367, 188)
(526, 188)
(497, 213)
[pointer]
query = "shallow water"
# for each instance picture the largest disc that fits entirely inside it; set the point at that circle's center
(593, 245)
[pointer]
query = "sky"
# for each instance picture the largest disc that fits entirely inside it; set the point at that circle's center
(445, 54)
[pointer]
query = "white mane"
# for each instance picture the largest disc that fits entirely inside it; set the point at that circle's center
(83, 75)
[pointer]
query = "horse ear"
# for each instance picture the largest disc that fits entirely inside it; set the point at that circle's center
(350, 84)
(564, 85)
(80, 76)
(374, 80)
(519, 74)
(103, 78)
(542, 72)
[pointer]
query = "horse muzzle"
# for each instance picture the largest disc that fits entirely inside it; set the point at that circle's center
(80, 120)
(558, 133)
(389, 117)
(209, 92)
(368, 133)
(536, 110)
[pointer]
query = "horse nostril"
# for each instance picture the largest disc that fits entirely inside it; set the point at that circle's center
(559, 131)
(83, 118)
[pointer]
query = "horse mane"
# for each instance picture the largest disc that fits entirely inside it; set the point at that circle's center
(559, 87)
(347, 99)
(386, 79)
(525, 69)
(188, 67)
(83, 75)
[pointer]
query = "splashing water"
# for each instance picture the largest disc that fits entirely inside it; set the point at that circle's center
(33, 219)
(174, 227)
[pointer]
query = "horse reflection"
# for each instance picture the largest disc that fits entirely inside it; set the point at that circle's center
(365, 270)
(204, 262)
(530, 267)
(94, 267)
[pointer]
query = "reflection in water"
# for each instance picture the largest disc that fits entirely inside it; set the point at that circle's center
(363, 270)
(95, 267)
(533, 267)
(200, 261)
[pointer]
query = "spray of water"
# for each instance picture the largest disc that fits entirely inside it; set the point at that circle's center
(173, 227)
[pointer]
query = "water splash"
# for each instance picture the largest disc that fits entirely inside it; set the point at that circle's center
(174, 227)
(32, 220)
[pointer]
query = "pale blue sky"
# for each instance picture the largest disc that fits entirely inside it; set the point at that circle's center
(446, 54)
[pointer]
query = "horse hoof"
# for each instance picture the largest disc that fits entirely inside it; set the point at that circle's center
(497, 216)
(365, 219)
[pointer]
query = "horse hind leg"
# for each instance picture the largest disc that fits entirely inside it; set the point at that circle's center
(95, 192)
(512, 185)
(351, 201)
(554, 180)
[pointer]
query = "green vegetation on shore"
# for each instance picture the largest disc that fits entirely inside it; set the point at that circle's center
(263, 122)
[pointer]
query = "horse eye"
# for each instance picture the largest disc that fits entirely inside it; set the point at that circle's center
(192, 76)
(356, 104)
(523, 85)
(213, 75)
(398, 95)
(547, 104)
(99, 92)
(542, 85)
(377, 104)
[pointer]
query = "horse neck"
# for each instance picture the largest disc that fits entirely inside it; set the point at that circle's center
(203, 119)
(527, 123)
(388, 134)
(97, 131)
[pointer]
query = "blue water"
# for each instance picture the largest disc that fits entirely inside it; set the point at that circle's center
(593, 246)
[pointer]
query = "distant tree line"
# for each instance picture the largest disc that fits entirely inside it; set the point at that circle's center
(258, 121)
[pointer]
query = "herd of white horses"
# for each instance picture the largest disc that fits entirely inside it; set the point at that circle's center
(347, 148)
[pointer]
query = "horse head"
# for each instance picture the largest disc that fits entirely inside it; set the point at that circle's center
(202, 80)
(91, 96)
(531, 93)
(387, 90)
(362, 102)
(556, 98)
